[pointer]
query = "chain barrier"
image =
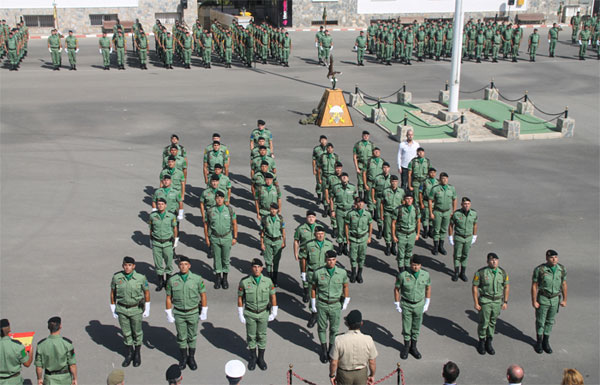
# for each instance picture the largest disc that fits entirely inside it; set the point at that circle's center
(365, 102)
(507, 99)
(543, 112)
(395, 371)
(379, 98)
(300, 378)
(439, 125)
(544, 122)
(472, 92)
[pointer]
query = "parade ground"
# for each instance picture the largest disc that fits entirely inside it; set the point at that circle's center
(81, 156)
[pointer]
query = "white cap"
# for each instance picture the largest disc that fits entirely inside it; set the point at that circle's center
(235, 369)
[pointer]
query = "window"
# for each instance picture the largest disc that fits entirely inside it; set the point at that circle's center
(39, 20)
(167, 17)
(99, 19)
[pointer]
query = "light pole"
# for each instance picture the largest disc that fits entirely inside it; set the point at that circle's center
(456, 56)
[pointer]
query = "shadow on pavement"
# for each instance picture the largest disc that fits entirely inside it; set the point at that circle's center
(109, 336)
(296, 334)
(293, 306)
(505, 328)
(448, 328)
(381, 335)
(141, 239)
(299, 192)
(225, 339)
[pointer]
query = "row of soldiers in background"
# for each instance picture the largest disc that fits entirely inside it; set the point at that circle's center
(264, 41)
(13, 43)
(586, 32)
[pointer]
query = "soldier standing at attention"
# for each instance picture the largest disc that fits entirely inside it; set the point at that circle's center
(220, 232)
(548, 283)
(121, 48)
(361, 154)
(129, 294)
(255, 294)
(442, 199)
(177, 175)
(214, 157)
(72, 47)
(326, 169)
(105, 50)
(266, 195)
(342, 201)
(207, 47)
(381, 183)
(392, 198)
(412, 295)
(584, 40)
(13, 356)
(272, 240)
(142, 48)
(553, 38)
(358, 229)
(168, 49)
(163, 230)
(185, 294)
(329, 286)
(534, 40)
(316, 250)
(262, 131)
(406, 224)
(320, 34)
(417, 171)
(55, 49)
(186, 47)
(326, 47)
(462, 233)
(575, 25)
(490, 294)
(304, 234)
(318, 150)
(360, 44)
(430, 183)
(55, 357)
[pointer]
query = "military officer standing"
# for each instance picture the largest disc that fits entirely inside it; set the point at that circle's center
(462, 233)
(261, 131)
(55, 49)
(105, 49)
(121, 48)
(272, 240)
(412, 295)
(534, 40)
(72, 48)
(374, 169)
(175, 141)
(207, 47)
(13, 49)
(548, 284)
(186, 47)
(406, 225)
(266, 195)
(224, 182)
(361, 154)
(255, 294)
(342, 200)
(329, 286)
(141, 45)
(304, 233)
(129, 302)
(584, 41)
(180, 161)
(163, 238)
(55, 357)
(211, 158)
(442, 199)
(12, 357)
(258, 179)
(185, 294)
(392, 198)
(220, 232)
(360, 45)
(490, 295)
(428, 184)
(177, 175)
(318, 150)
(358, 229)
(553, 38)
(320, 34)
(316, 250)
(381, 183)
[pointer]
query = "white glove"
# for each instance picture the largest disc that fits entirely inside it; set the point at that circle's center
(77, 50)
(204, 313)
(398, 307)
(346, 302)
(331, 49)
(313, 305)
(451, 239)
(241, 315)
(316, 44)
(111, 50)
(273, 313)
(49, 49)
(60, 49)
(548, 40)
(146, 313)
(154, 209)
(180, 216)
(170, 318)
(426, 307)
(100, 51)
(474, 239)
(580, 42)
(589, 42)
(303, 277)
(176, 242)
(113, 309)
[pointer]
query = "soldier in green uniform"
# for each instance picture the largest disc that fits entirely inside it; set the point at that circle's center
(548, 284)
(55, 357)
(388, 40)
(417, 171)
(392, 198)
(358, 229)
(261, 131)
(315, 258)
(214, 157)
(186, 46)
(163, 238)
(256, 293)
(255, 153)
(584, 40)
(228, 49)
(516, 42)
(177, 176)
(360, 45)
(320, 34)
(553, 38)
(167, 47)
(534, 40)
(272, 240)
(428, 184)
(575, 25)
(263, 156)
(129, 302)
(442, 199)
(361, 154)
(488, 33)
(121, 49)
(342, 201)
(171, 196)
(175, 141)
(142, 47)
(180, 161)
(220, 232)
(462, 233)
(13, 49)
(258, 179)
(318, 150)
(382, 182)
(412, 295)
(406, 225)
(224, 182)
(72, 47)
(266, 195)
(286, 47)
(420, 36)
(490, 295)
(105, 49)
(303, 234)
(326, 46)
(208, 198)
(326, 168)
(408, 44)
(438, 37)
(479, 45)
(207, 48)
(185, 294)
(507, 36)
(12, 357)
(374, 168)
(55, 49)
(496, 45)
(329, 287)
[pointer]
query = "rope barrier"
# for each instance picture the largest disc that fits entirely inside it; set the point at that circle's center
(472, 92)
(383, 97)
(398, 370)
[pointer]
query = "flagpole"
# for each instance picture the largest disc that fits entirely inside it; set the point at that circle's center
(456, 56)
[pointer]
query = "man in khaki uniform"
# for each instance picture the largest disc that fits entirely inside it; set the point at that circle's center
(353, 352)
(55, 357)
(13, 356)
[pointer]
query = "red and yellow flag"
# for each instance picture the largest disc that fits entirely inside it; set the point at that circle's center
(24, 338)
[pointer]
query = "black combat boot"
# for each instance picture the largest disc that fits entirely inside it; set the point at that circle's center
(224, 282)
(218, 281)
(345, 248)
(387, 249)
(394, 248)
(359, 277)
(434, 251)
(159, 285)
(404, 350)
(481, 346)
(74, 67)
(430, 232)
(128, 357)
(413, 350)
(425, 232)
(274, 278)
(190, 360)
(401, 269)
(261, 360)
(137, 357)
(183, 359)
(252, 360)
(306, 296)
(488, 346)
(323, 356)
(353, 275)
(546, 344)
(455, 275)
(441, 248)
(379, 233)
(312, 320)
(463, 276)
(340, 249)
(538, 345)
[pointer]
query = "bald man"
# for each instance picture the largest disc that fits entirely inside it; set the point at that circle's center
(515, 374)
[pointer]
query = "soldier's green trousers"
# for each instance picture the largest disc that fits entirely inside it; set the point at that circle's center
(425, 214)
(328, 314)
(440, 224)
(256, 329)
(495, 50)
(471, 47)
(143, 53)
(187, 55)
(389, 50)
(575, 33)
(360, 54)
(326, 54)
(57, 379)
(583, 48)
(228, 53)
(105, 57)
(56, 56)
(186, 325)
(462, 245)
(220, 248)
(448, 47)
(206, 55)
(272, 254)
(533, 51)
(163, 257)
(487, 318)
(340, 219)
(552, 47)
(412, 317)
(12, 56)
(478, 51)
(121, 56)
(169, 56)
(406, 243)
(420, 49)
(72, 56)
(387, 226)
(409, 52)
(515, 51)
(506, 49)
(358, 251)
(399, 49)
(130, 320)
(416, 185)
(544, 315)
(285, 55)
(438, 48)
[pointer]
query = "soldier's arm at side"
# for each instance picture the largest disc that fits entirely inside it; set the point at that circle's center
(370, 232)
(112, 296)
(475, 229)
(451, 227)
(346, 290)
(273, 300)
(453, 204)
(279, 205)
(506, 294)
(346, 230)
(396, 294)
(364, 177)
(235, 232)
(73, 370)
(39, 371)
(417, 236)
(476, 298)
(168, 304)
(296, 249)
(428, 291)
(203, 300)
(283, 236)
(355, 160)
(534, 291)
(563, 303)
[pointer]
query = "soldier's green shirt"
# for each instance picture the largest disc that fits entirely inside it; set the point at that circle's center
(258, 160)
(143, 42)
(256, 292)
(177, 177)
(55, 353)
(161, 225)
(187, 42)
(228, 42)
(332, 182)
(12, 356)
(315, 253)
(326, 41)
(419, 167)
(330, 286)
(344, 196)
(181, 150)
(584, 36)
(264, 133)
(375, 168)
(480, 39)
(54, 41)
(317, 152)
(407, 218)
(421, 36)
(549, 281)
(304, 234)
(358, 223)
(185, 291)
(208, 197)
(327, 163)
(168, 42)
(11, 42)
(319, 36)
(490, 283)
(272, 226)
(442, 197)
(172, 196)
(259, 180)
(497, 39)
(287, 42)
(508, 34)
(392, 198)
(119, 41)
(222, 148)
(364, 151)
(220, 221)
(71, 42)
(224, 184)
(267, 195)
(129, 290)
(180, 162)
(553, 33)
(207, 42)
(215, 157)
(412, 286)
(428, 185)
(463, 222)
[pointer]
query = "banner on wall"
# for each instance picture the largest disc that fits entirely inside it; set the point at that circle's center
(29, 4)
(433, 6)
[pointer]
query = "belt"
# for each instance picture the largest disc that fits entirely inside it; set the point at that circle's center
(440, 210)
(11, 376)
(406, 232)
(354, 235)
(463, 236)
(411, 302)
(220, 235)
(273, 238)
(547, 295)
(418, 179)
(162, 240)
(493, 298)
(256, 311)
(128, 306)
(351, 370)
(188, 310)
(344, 208)
(52, 372)
(330, 302)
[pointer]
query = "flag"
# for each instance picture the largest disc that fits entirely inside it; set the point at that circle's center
(24, 338)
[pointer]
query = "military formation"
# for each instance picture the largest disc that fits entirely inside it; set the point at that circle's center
(13, 43)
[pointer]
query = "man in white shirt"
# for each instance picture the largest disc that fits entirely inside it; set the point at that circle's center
(407, 150)
(515, 374)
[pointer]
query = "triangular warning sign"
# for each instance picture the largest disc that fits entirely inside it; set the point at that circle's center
(333, 111)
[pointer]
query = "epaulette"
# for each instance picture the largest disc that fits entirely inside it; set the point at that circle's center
(68, 340)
